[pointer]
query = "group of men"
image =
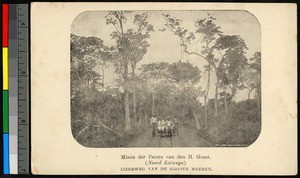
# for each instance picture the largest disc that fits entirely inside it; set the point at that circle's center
(162, 125)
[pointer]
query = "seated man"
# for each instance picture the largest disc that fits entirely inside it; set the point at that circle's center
(159, 126)
(163, 125)
(169, 125)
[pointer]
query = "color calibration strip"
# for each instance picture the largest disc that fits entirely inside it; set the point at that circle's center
(15, 61)
(5, 9)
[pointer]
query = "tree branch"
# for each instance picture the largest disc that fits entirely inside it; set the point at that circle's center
(81, 131)
(251, 91)
(116, 28)
(190, 53)
(106, 127)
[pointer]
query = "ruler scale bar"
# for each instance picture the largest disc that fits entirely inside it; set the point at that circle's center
(23, 90)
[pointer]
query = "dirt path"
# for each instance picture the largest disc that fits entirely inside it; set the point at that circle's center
(144, 140)
(185, 138)
(189, 138)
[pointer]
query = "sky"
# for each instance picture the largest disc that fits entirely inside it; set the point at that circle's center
(164, 46)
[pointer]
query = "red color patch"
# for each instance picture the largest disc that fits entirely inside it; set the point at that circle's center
(5, 25)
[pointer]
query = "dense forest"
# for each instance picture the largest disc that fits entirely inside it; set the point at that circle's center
(112, 116)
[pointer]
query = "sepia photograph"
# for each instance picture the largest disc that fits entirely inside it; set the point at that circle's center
(189, 78)
(163, 88)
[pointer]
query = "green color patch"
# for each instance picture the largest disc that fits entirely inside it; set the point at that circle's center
(5, 111)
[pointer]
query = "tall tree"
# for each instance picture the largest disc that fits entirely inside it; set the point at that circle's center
(233, 62)
(118, 20)
(252, 76)
(131, 45)
(138, 48)
(209, 32)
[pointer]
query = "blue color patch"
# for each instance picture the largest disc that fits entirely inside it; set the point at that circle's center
(5, 153)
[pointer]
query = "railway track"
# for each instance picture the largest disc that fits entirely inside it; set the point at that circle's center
(163, 141)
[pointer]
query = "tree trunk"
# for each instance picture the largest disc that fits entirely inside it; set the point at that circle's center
(105, 118)
(88, 83)
(250, 92)
(225, 101)
(169, 105)
(126, 99)
(140, 114)
(258, 96)
(216, 98)
(232, 92)
(134, 106)
(145, 113)
(134, 99)
(153, 100)
(103, 74)
(127, 112)
(205, 98)
(125, 76)
(205, 108)
(197, 122)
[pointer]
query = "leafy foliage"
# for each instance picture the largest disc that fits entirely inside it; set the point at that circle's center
(233, 62)
(238, 127)
(252, 75)
(185, 72)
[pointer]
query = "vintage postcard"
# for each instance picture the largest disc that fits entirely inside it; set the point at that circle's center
(164, 88)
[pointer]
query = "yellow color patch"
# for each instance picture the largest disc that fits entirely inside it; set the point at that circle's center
(5, 67)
